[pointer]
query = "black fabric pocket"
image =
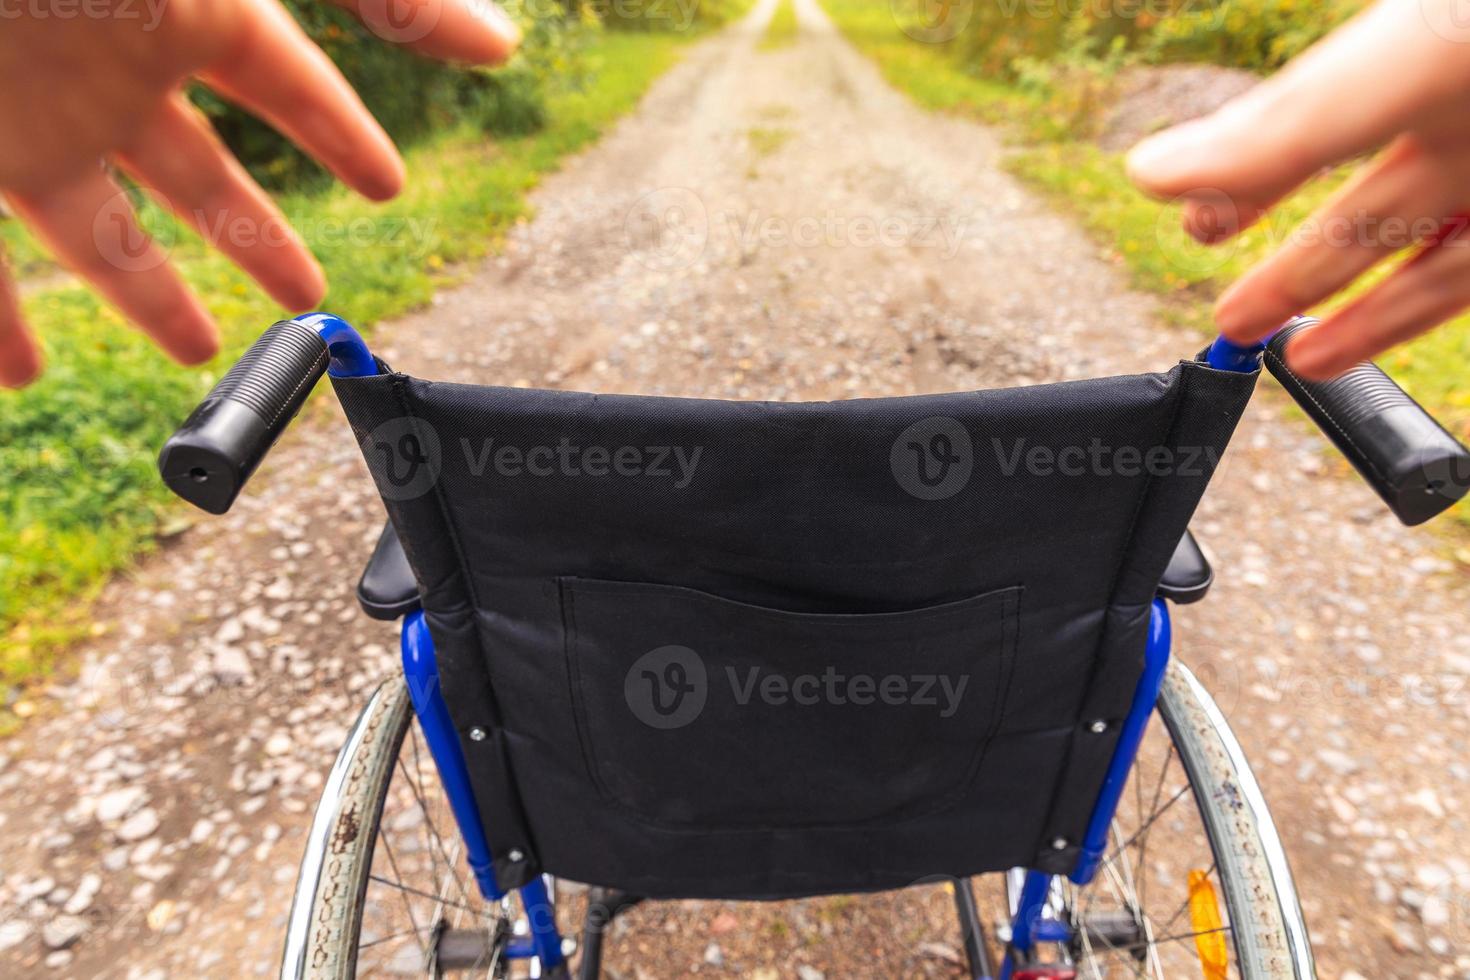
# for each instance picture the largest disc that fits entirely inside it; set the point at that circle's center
(696, 711)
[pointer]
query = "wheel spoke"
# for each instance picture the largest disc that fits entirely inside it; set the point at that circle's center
(1153, 818)
(1135, 903)
(393, 862)
(410, 890)
(1153, 806)
(436, 842)
(414, 787)
(1131, 948)
(397, 935)
(1087, 941)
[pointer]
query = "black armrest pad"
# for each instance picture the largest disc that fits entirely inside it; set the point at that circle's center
(1189, 575)
(388, 589)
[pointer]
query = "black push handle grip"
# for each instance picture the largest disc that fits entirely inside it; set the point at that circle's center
(1417, 467)
(211, 456)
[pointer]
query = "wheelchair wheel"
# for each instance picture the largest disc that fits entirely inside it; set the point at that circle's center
(384, 886)
(1185, 891)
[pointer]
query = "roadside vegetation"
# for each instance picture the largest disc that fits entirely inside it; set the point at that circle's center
(79, 496)
(782, 28)
(1048, 82)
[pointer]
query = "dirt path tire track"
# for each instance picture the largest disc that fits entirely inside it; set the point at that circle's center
(769, 224)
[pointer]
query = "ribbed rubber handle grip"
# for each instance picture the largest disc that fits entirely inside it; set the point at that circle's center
(1417, 467)
(211, 456)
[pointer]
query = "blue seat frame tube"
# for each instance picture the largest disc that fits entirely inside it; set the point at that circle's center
(1155, 662)
(1027, 926)
(545, 940)
(348, 354)
(421, 670)
(1027, 922)
(1223, 355)
(1226, 355)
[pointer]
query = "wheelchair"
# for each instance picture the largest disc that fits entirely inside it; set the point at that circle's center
(674, 649)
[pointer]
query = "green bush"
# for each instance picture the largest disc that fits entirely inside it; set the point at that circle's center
(1255, 34)
(411, 96)
(510, 102)
(1072, 88)
(679, 16)
(408, 94)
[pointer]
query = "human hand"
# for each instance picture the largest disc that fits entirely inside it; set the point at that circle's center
(1398, 74)
(83, 92)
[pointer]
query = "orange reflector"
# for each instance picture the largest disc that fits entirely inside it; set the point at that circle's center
(1209, 934)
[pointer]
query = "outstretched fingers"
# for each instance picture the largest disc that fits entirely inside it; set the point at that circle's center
(278, 74)
(1398, 201)
(1420, 295)
(180, 160)
(90, 227)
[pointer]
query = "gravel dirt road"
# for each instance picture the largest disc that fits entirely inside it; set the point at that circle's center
(769, 224)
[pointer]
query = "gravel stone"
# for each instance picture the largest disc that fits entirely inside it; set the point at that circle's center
(63, 931)
(140, 825)
(86, 891)
(13, 932)
(114, 806)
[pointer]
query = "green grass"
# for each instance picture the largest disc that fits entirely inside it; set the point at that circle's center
(765, 140)
(22, 255)
(79, 497)
(923, 71)
(1143, 236)
(782, 28)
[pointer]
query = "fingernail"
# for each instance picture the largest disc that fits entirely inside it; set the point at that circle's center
(1160, 157)
(500, 22)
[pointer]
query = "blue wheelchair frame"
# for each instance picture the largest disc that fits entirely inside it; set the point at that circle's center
(350, 358)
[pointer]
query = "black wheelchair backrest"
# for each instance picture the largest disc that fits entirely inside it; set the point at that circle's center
(734, 649)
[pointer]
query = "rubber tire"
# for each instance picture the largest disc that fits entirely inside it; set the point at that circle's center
(1271, 941)
(330, 947)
